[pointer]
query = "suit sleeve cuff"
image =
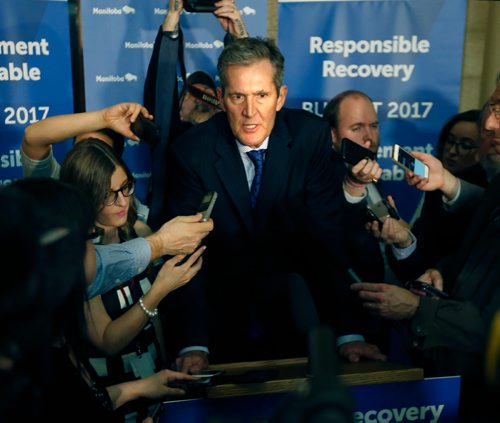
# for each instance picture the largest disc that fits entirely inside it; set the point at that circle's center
(341, 340)
(194, 348)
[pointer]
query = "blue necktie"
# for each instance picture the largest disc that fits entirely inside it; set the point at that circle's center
(257, 157)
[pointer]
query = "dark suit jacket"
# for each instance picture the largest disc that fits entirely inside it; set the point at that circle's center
(294, 227)
(438, 231)
(453, 333)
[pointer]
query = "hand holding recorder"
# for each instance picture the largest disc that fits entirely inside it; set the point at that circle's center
(206, 206)
(364, 167)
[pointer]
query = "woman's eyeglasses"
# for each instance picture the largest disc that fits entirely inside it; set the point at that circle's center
(127, 190)
(495, 109)
(464, 145)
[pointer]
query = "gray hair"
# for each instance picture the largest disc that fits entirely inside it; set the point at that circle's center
(247, 51)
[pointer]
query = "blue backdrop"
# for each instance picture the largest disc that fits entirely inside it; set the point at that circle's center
(329, 46)
(35, 74)
(405, 54)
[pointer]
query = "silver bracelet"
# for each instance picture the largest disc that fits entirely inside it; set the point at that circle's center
(147, 312)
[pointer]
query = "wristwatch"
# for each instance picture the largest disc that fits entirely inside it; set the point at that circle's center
(173, 35)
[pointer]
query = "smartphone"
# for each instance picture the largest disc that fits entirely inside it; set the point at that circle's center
(189, 385)
(429, 289)
(205, 208)
(207, 205)
(200, 6)
(380, 211)
(409, 162)
(208, 373)
(353, 153)
(146, 130)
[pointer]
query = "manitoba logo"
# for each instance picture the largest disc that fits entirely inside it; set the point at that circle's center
(128, 10)
(248, 11)
(128, 77)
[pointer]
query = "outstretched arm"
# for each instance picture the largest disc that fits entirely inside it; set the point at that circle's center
(39, 136)
(112, 335)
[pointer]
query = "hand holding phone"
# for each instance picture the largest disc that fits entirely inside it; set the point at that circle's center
(206, 206)
(428, 288)
(353, 153)
(409, 162)
(381, 211)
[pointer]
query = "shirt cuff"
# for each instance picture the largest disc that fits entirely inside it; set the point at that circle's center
(341, 340)
(402, 253)
(447, 204)
(117, 263)
(195, 348)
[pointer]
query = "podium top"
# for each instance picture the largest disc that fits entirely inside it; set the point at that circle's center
(291, 375)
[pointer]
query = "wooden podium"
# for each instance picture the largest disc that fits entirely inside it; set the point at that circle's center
(292, 376)
(393, 392)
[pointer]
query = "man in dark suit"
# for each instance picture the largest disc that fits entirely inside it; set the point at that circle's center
(451, 334)
(262, 261)
(351, 114)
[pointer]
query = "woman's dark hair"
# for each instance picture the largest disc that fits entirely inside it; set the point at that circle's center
(43, 227)
(472, 115)
(117, 139)
(89, 166)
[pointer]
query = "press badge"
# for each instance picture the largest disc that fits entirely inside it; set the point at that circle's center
(142, 365)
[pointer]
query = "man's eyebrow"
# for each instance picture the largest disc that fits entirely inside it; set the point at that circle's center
(376, 122)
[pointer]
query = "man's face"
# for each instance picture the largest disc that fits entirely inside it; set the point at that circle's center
(195, 110)
(251, 101)
(489, 151)
(357, 120)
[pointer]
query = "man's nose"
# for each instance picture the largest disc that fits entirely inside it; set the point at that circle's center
(369, 135)
(249, 109)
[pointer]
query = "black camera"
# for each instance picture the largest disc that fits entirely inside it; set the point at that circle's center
(200, 6)
(146, 130)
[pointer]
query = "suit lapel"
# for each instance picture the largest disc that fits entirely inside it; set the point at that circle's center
(231, 172)
(277, 162)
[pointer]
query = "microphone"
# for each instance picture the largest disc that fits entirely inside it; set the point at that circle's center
(328, 399)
